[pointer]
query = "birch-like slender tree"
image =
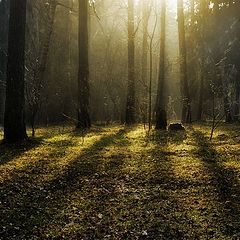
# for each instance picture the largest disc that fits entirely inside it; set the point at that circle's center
(130, 105)
(161, 114)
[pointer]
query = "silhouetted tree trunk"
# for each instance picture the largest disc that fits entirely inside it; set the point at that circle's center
(83, 72)
(186, 108)
(14, 120)
(130, 106)
(3, 53)
(161, 114)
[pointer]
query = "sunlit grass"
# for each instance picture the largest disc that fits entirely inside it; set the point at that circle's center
(122, 183)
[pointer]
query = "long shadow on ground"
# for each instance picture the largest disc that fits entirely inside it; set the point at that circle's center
(9, 152)
(225, 183)
(171, 220)
(28, 210)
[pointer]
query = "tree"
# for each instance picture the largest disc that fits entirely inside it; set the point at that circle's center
(14, 120)
(186, 108)
(83, 71)
(203, 10)
(3, 53)
(37, 83)
(146, 11)
(161, 114)
(130, 106)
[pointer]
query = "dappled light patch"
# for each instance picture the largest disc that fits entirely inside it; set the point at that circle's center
(121, 183)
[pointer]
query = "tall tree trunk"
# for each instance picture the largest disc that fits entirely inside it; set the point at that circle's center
(3, 54)
(161, 114)
(130, 106)
(146, 9)
(186, 108)
(203, 15)
(83, 72)
(14, 120)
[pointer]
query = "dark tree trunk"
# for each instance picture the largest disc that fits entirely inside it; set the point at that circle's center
(130, 106)
(83, 73)
(14, 121)
(161, 114)
(3, 54)
(186, 108)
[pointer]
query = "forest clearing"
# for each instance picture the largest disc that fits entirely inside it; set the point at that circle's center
(121, 183)
(119, 119)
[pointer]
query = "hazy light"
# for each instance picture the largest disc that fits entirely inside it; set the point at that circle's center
(171, 4)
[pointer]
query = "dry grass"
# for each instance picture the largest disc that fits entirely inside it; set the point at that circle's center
(119, 183)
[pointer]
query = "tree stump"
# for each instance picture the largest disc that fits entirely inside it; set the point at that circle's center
(176, 127)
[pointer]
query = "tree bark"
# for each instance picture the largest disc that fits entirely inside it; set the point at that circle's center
(186, 108)
(161, 114)
(3, 54)
(14, 120)
(130, 106)
(83, 72)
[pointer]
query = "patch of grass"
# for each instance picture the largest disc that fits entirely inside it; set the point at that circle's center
(120, 183)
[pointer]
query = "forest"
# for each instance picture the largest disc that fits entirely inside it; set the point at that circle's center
(119, 119)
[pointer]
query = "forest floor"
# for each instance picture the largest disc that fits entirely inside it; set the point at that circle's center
(119, 183)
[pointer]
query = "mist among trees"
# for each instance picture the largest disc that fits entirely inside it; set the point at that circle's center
(130, 109)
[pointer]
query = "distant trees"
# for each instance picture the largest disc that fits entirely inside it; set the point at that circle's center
(83, 71)
(125, 81)
(186, 108)
(14, 121)
(161, 114)
(130, 105)
(215, 32)
(34, 90)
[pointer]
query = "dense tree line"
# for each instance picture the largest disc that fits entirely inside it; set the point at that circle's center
(108, 61)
